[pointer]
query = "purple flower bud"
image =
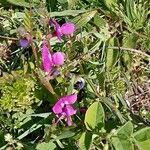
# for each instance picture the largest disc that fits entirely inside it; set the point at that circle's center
(83, 110)
(80, 84)
(55, 72)
(24, 43)
(67, 28)
(58, 58)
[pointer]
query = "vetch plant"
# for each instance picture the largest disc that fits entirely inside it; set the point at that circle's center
(101, 62)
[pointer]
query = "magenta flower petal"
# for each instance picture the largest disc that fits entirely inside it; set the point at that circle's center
(46, 58)
(55, 72)
(69, 110)
(58, 32)
(58, 58)
(58, 107)
(24, 43)
(67, 28)
(69, 121)
(70, 99)
(57, 28)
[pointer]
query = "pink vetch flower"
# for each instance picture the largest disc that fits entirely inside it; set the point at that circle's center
(67, 28)
(46, 58)
(64, 109)
(58, 58)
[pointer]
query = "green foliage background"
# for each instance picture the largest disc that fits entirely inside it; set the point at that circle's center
(109, 50)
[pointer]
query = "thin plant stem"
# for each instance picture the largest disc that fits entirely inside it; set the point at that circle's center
(131, 50)
(8, 38)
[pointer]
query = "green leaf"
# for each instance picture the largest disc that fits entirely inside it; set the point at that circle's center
(122, 138)
(111, 3)
(85, 141)
(99, 21)
(129, 41)
(51, 5)
(67, 13)
(112, 55)
(46, 146)
(72, 3)
(42, 115)
(27, 20)
(83, 19)
(2, 139)
(142, 138)
(71, 86)
(101, 79)
(62, 1)
(145, 145)
(122, 144)
(22, 3)
(129, 5)
(126, 130)
(64, 135)
(94, 117)
(27, 132)
(142, 135)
